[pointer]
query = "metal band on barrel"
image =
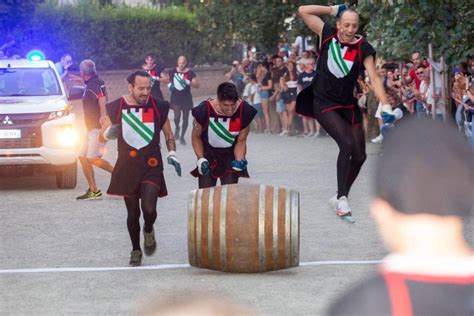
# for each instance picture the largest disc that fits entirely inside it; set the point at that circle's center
(222, 228)
(287, 228)
(198, 229)
(191, 228)
(261, 228)
(295, 240)
(275, 227)
(210, 221)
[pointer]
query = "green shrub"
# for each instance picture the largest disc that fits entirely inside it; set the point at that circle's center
(115, 37)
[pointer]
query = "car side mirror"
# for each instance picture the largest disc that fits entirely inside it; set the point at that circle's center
(76, 93)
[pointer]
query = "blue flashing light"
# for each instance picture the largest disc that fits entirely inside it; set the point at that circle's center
(35, 55)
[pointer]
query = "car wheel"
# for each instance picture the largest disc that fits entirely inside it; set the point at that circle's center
(67, 177)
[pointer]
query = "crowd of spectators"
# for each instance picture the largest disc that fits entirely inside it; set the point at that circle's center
(271, 83)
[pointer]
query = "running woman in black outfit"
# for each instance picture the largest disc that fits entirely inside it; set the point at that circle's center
(219, 137)
(330, 99)
(182, 79)
(137, 120)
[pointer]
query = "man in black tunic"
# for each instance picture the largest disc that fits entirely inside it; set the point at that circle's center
(136, 120)
(219, 137)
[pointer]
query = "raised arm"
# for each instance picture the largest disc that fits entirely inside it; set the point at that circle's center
(311, 15)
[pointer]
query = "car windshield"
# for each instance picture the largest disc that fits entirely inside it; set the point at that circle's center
(28, 82)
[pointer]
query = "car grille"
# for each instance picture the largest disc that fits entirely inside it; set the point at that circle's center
(30, 125)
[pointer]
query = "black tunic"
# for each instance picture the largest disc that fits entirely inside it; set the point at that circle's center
(220, 134)
(181, 93)
(338, 67)
(138, 165)
(155, 87)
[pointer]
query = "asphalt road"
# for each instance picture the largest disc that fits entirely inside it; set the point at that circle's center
(61, 256)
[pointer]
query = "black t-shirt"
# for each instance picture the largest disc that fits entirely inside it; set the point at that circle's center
(410, 294)
(338, 67)
(305, 79)
(95, 89)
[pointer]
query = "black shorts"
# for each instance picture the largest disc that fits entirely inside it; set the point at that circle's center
(351, 113)
(290, 95)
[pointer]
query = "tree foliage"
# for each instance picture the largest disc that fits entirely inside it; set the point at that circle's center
(15, 12)
(396, 28)
(113, 36)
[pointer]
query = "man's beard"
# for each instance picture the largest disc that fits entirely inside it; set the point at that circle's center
(139, 101)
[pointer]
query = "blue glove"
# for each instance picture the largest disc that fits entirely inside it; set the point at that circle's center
(239, 165)
(203, 166)
(112, 132)
(338, 9)
(173, 160)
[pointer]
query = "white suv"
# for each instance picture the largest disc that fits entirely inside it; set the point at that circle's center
(37, 126)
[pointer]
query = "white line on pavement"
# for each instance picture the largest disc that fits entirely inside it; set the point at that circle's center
(163, 267)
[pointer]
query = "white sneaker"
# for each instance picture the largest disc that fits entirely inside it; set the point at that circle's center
(342, 207)
(284, 133)
(378, 139)
(333, 201)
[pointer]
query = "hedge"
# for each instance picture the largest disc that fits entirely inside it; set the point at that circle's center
(114, 37)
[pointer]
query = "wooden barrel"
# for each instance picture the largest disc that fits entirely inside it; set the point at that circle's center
(243, 228)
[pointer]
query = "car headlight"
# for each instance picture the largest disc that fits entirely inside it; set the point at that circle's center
(67, 136)
(60, 113)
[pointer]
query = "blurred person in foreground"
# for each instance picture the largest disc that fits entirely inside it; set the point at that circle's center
(424, 194)
(193, 304)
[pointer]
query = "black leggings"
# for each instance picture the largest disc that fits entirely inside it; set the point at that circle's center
(177, 117)
(148, 196)
(209, 181)
(351, 142)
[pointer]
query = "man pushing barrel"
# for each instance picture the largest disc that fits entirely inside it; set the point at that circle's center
(219, 137)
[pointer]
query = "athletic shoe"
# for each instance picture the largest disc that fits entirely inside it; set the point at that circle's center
(378, 139)
(317, 135)
(149, 242)
(343, 210)
(342, 207)
(136, 258)
(90, 196)
(182, 141)
(284, 133)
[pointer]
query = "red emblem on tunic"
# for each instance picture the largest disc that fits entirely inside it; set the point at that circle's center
(147, 116)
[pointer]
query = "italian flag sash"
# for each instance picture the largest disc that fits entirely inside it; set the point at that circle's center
(138, 127)
(179, 81)
(222, 133)
(340, 60)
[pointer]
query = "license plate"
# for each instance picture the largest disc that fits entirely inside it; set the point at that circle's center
(10, 133)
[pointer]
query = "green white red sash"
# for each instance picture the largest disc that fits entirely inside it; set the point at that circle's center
(340, 60)
(138, 127)
(222, 133)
